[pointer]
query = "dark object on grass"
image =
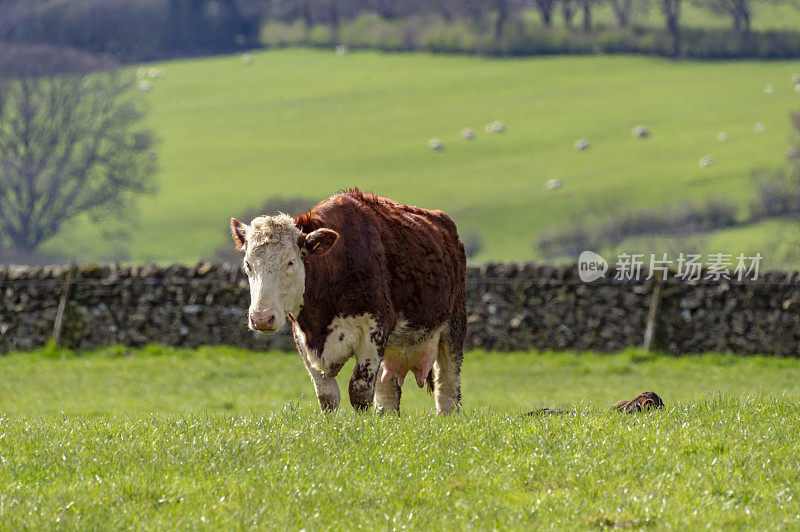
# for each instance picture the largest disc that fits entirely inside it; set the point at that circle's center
(643, 401)
(543, 411)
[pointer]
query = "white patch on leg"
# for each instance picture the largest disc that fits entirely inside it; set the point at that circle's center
(348, 336)
(325, 387)
(367, 358)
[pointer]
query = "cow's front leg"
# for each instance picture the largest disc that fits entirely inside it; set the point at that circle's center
(324, 385)
(362, 383)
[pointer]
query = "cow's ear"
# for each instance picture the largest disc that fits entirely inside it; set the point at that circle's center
(317, 242)
(238, 231)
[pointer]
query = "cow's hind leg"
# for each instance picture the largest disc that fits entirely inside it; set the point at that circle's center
(447, 378)
(387, 396)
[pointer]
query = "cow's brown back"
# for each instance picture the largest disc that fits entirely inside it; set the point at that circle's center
(395, 261)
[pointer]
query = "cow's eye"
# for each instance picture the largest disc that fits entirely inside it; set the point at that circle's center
(289, 264)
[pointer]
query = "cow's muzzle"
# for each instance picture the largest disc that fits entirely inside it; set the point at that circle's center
(265, 321)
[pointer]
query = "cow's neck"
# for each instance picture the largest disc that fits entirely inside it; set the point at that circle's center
(321, 304)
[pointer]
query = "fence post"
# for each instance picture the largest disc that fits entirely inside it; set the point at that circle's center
(62, 305)
(652, 314)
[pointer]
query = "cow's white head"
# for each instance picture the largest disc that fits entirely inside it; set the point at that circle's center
(274, 250)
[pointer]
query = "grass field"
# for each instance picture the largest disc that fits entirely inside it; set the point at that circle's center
(309, 122)
(163, 438)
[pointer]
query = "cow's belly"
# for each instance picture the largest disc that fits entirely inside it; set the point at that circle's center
(409, 350)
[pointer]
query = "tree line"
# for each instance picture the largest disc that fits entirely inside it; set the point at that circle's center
(135, 30)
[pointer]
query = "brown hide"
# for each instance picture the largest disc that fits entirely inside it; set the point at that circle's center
(390, 260)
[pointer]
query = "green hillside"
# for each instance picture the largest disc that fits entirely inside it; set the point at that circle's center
(309, 122)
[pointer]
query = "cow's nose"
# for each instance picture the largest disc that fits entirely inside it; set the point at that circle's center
(264, 320)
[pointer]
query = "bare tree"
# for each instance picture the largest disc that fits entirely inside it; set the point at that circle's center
(568, 12)
(474, 10)
(504, 9)
(622, 11)
(740, 12)
(587, 15)
(671, 9)
(71, 143)
(545, 8)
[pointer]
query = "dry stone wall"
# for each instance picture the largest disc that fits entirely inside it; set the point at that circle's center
(510, 307)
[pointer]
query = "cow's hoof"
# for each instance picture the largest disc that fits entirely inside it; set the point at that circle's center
(328, 404)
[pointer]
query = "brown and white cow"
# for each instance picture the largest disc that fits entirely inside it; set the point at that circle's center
(361, 275)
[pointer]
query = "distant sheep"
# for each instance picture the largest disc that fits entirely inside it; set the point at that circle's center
(640, 132)
(758, 127)
(342, 49)
(581, 144)
(436, 144)
(247, 59)
(495, 127)
(467, 133)
(145, 86)
(768, 89)
(722, 136)
(706, 161)
(553, 184)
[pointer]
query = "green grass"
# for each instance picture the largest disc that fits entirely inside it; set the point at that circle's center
(309, 122)
(228, 380)
(165, 439)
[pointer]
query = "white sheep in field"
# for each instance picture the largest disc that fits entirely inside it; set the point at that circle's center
(768, 89)
(640, 132)
(436, 144)
(706, 161)
(553, 184)
(467, 133)
(247, 59)
(581, 144)
(145, 86)
(722, 136)
(758, 127)
(495, 127)
(342, 49)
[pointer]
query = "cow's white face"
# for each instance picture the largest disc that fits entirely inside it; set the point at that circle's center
(273, 259)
